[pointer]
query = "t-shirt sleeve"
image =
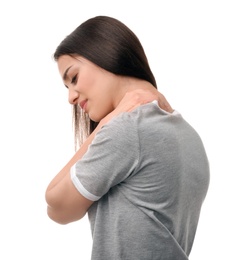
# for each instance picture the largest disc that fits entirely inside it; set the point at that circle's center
(110, 159)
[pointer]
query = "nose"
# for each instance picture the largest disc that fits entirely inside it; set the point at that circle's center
(73, 96)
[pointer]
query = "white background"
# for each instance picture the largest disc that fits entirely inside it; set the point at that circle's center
(191, 50)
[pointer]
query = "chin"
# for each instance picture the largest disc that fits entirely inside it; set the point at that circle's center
(96, 117)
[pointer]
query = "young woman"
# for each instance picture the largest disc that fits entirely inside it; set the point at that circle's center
(141, 171)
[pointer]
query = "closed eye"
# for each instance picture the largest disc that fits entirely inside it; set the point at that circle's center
(74, 79)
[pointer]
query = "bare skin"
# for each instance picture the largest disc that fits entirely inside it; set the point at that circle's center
(103, 96)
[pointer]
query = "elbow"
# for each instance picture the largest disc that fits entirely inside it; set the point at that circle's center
(63, 217)
(54, 209)
(63, 207)
(54, 216)
(62, 214)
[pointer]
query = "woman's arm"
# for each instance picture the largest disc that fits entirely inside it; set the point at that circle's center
(65, 203)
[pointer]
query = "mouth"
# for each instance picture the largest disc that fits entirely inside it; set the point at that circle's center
(82, 104)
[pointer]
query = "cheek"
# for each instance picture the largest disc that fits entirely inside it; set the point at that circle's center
(86, 82)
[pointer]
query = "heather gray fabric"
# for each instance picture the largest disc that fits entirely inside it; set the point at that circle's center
(148, 173)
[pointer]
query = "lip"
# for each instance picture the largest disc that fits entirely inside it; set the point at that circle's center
(82, 104)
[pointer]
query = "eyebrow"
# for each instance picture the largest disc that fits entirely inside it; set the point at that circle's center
(66, 73)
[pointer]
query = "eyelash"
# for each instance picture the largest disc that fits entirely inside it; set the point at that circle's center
(74, 79)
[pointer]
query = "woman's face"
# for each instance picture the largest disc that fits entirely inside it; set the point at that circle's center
(96, 90)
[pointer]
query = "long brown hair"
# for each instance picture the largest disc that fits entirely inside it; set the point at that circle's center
(110, 44)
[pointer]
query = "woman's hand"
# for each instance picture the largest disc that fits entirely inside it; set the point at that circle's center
(135, 98)
(138, 97)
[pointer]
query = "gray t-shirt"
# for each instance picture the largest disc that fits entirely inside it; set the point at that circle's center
(148, 173)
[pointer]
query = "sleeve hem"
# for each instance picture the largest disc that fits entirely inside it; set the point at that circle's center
(81, 188)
